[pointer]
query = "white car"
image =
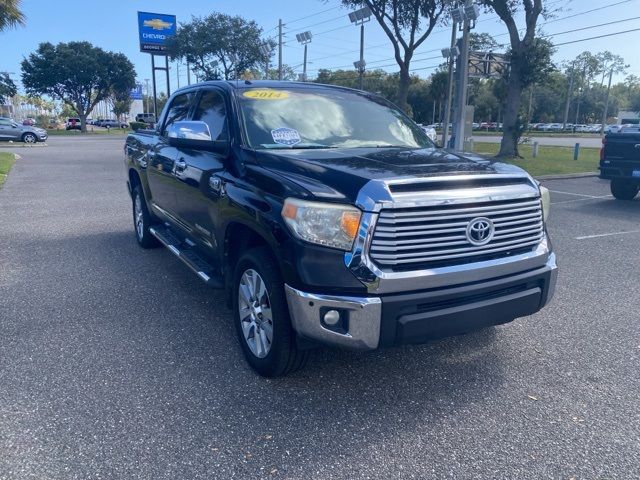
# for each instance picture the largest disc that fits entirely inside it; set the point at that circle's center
(431, 132)
(613, 128)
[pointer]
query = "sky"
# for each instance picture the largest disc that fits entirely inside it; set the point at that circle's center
(335, 44)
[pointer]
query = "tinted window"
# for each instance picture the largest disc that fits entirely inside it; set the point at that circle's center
(211, 110)
(5, 123)
(325, 117)
(179, 109)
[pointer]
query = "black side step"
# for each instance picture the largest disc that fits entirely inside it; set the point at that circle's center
(188, 255)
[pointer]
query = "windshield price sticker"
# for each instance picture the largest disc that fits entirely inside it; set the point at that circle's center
(266, 94)
(285, 136)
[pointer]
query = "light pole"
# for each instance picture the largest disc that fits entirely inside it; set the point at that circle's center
(147, 82)
(450, 54)
(466, 16)
(360, 17)
(304, 38)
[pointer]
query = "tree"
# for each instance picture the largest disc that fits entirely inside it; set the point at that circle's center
(218, 46)
(11, 15)
(120, 104)
(7, 87)
(407, 24)
(482, 42)
(78, 74)
(529, 58)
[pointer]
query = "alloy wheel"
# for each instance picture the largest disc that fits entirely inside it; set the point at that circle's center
(138, 216)
(256, 316)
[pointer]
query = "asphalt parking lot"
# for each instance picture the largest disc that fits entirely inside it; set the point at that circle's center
(117, 363)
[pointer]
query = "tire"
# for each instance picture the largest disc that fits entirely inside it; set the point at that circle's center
(29, 138)
(142, 220)
(280, 355)
(624, 189)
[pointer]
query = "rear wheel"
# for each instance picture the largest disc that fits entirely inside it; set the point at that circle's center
(142, 220)
(624, 189)
(261, 316)
(29, 138)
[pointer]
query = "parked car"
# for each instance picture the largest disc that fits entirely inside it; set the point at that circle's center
(12, 131)
(620, 162)
(29, 122)
(149, 118)
(431, 132)
(113, 124)
(354, 231)
(73, 124)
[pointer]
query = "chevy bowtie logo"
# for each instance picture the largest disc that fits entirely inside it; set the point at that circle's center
(158, 24)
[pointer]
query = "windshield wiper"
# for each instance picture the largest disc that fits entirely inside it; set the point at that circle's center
(299, 146)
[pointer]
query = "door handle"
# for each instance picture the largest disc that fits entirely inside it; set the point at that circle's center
(181, 165)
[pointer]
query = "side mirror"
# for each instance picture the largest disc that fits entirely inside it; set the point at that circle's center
(195, 135)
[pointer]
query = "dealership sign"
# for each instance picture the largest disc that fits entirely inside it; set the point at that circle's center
(136, 93)
(155, 29)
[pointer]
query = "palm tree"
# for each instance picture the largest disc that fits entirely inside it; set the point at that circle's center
(10, 14)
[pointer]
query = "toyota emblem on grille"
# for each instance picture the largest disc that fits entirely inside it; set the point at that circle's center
(480, 231)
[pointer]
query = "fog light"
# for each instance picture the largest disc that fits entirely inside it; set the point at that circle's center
(331, 318)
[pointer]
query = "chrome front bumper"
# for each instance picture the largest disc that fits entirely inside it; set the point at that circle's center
(365, 315)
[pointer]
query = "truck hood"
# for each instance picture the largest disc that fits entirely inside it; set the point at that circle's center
(339, 174)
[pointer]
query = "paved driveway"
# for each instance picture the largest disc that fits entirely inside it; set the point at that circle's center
(117, 363)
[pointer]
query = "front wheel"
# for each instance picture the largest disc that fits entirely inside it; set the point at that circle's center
(29, 138)
(624, 189)
(142, 220)
(261, 316)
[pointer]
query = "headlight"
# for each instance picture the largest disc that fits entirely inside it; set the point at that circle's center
(327, 224)
(546, 202)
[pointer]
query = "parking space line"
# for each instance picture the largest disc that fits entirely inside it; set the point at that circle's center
(606, 235)
(581, 200)
(576, 194)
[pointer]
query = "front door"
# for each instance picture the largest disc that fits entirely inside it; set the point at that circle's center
(163, 157)
(9, 130)
(199, 185)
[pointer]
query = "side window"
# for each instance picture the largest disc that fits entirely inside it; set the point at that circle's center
(5, 123)
(179, 109)
(211, 110)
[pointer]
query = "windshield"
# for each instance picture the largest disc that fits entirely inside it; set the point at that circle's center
(325, 118)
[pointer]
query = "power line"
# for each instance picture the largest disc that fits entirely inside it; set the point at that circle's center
(416, 59)
(599, 36)
(310, 15)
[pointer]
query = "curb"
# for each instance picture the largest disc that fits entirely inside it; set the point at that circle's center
(566, 176)
(21, 145)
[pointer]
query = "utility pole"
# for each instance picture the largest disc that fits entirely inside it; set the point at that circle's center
(606, 104)
(447, 112)
(463, 81)
(280, 49)
(566, 107)
(530, 105)
(361, 72)
(178, 74)
(188, 74)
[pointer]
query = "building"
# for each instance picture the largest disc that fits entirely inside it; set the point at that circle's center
(628, 117)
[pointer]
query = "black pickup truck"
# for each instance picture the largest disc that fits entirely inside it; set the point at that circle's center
(620, 162)
(329, 217)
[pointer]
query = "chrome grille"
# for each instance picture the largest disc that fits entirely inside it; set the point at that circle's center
(424, 236)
